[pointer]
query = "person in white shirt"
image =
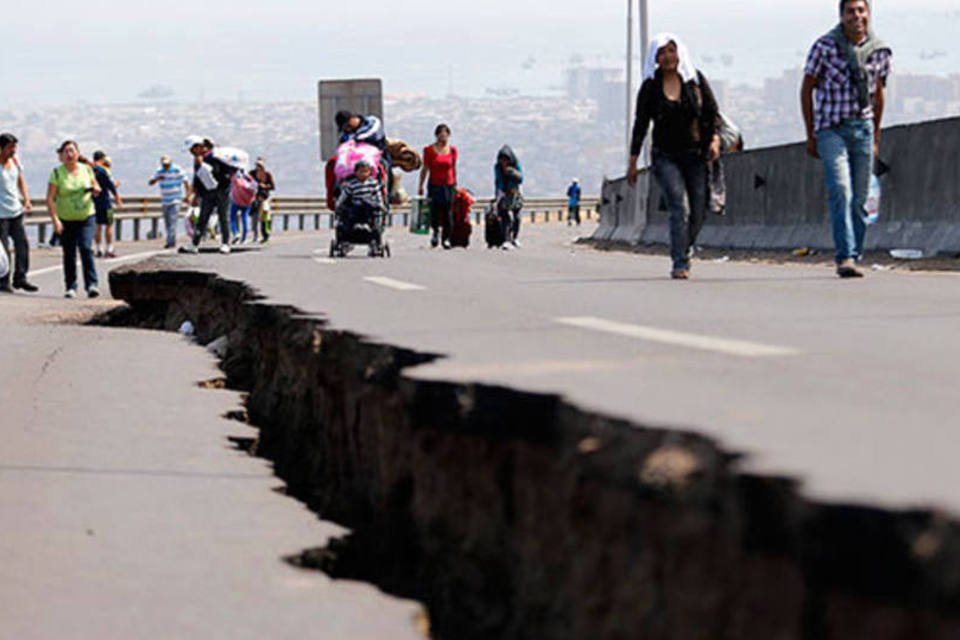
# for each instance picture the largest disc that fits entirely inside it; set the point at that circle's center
(14, 204)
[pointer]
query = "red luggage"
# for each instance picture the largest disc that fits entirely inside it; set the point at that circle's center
(460, 212)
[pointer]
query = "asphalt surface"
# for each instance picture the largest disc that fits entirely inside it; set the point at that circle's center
(127, 514)
(125, 510)
(850, 386)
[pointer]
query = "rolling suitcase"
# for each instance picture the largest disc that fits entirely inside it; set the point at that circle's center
(493, 228)
(460, 214)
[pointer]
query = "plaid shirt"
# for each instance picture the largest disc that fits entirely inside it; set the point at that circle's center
(836, 96)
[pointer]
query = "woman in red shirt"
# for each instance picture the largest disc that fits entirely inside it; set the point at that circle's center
(440, 164)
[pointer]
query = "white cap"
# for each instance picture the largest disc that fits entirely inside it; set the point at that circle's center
(191, 142)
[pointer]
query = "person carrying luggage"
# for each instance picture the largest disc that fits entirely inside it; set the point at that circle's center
(211, 190)
(440, 165)
(261, 207)
(508, 179)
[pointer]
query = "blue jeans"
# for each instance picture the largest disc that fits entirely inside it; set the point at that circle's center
(170, 212)
(78, 235)
(847, 154)
(245, 217)
(683, 180)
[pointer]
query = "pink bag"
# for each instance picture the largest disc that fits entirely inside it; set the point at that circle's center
(243, 189)
(350, 153)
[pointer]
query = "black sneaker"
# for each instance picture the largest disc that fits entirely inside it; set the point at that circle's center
(26, 286)
(847, 269)
(6, 288)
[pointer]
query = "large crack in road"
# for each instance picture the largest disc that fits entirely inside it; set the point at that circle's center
(517, 515)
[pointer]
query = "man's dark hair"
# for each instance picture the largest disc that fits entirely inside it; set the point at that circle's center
(98, 156)
(7, 139)
(342, 118)
(844, 3)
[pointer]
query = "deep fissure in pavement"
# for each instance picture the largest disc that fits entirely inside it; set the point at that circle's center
(516, 515)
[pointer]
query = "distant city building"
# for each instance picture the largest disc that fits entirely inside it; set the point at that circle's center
(606, 86)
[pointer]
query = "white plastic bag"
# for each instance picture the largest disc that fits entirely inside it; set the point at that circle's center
(872, 206)
(205, 176)
(232, 156)
(4, 264)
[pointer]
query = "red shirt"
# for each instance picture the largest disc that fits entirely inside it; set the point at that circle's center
(443, 168)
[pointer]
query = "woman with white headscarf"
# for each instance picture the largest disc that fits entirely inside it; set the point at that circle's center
(678, 100)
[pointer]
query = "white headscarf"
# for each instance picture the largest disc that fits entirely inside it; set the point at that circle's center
(685, 66)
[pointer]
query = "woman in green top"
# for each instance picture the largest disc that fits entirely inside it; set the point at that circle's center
(70, 203)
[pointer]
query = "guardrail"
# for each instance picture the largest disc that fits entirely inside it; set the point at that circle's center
(141, 215)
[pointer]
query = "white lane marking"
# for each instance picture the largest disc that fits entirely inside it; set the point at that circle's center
(399, 285)
(536, 368)
(689, 340)
(40, 272)
(320, 257)
(110, 262)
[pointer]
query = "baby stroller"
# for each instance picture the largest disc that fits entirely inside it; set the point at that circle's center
(359, 222)
(360, 219)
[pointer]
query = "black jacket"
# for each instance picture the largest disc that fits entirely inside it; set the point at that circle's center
(678, 128)
(222, 173)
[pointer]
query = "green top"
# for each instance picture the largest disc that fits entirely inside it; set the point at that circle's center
(74, 192)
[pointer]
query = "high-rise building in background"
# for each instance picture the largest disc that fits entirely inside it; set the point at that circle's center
(604, 85)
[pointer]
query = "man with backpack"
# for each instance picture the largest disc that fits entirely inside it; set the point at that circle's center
(842, 100)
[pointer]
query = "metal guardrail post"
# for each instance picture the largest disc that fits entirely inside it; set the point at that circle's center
(42, 233)
(155, 227)
(302, 221)
(136, 229)
(118, 229)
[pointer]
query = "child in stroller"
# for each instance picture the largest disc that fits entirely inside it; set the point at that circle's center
(359, 214)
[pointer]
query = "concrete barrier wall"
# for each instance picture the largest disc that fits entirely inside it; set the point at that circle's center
(776, 197)
(623, 210)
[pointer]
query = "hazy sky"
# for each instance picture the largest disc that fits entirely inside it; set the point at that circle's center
(53, 52)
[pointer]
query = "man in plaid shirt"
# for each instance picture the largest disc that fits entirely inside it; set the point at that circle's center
(842, 100)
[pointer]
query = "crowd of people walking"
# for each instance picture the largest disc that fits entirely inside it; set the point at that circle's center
(842, 100)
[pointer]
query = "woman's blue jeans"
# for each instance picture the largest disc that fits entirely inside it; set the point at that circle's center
(683, 181)
(847, 154)
(78, 235)
(245, 218)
